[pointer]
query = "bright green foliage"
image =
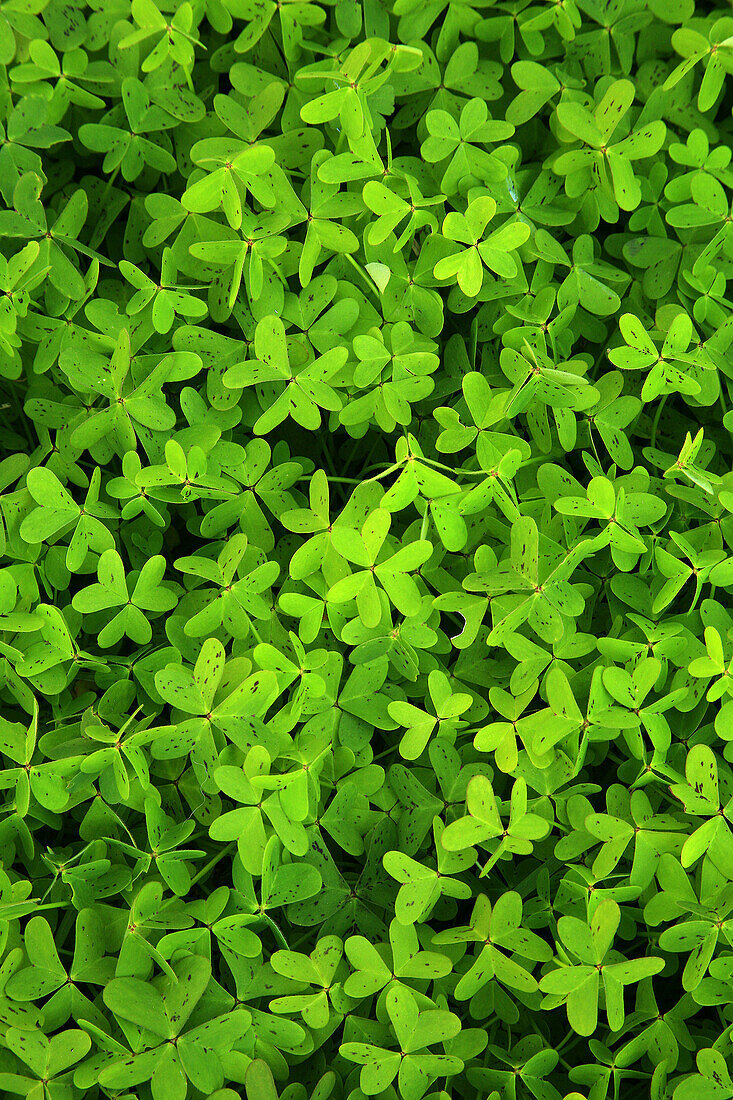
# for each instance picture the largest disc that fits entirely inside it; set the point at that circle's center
(366, 549)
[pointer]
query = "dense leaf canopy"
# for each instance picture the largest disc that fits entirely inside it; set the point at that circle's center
(366, 549)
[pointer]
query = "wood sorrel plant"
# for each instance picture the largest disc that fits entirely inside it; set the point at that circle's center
(366, 528)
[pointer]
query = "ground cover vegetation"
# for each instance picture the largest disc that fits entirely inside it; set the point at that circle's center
(366, 639)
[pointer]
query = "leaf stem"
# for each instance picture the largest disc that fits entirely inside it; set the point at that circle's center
(344, 480)
(384, 473)
(213, 862)
(655, 421)
(279, 936)
(425, 524)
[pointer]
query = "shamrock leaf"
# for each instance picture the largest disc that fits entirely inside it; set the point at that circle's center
(577, 984)
(299, 391)
(113, 590)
